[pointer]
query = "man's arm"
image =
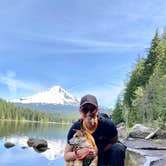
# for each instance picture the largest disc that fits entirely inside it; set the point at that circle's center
(111, 141)
(69, 154)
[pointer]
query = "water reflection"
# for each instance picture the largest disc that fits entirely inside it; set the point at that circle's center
(55, 151)
(18, 133)
(37, 130)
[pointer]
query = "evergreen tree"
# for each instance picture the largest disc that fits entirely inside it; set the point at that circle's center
(10, 112)
(117, 114)
(151, 59)
(145, 93)
(136, 80)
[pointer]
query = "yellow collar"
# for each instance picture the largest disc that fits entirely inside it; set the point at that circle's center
(90, 131)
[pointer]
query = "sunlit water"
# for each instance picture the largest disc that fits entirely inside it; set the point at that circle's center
(21, 154)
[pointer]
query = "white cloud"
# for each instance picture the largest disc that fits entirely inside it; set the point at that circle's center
(9, 79)
(99, 43)
(76, 44)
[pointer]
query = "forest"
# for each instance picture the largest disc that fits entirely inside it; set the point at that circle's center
(143, 99)
(9, 111)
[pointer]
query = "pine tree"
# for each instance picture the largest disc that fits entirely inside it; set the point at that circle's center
(117, 114)
(151, 59)
(145, 92)
(136, 80)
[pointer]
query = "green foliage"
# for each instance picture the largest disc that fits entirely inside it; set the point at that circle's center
(161, 101)
(136, 80)
(144, 98)
(117, 114)
(151, 59)
(9, 111)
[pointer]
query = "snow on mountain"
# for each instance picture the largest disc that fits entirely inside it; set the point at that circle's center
(54, 95)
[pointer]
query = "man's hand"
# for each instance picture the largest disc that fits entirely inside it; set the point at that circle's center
(92, 153)
(85, 152)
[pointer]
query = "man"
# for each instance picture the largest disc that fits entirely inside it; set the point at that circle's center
(110, 151)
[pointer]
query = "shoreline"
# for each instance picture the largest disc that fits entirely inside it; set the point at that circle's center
(28, 121)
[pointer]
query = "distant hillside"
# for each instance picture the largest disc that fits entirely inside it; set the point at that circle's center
(9, 111)
(50, 108)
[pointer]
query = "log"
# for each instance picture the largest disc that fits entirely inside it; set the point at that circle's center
(151, 148)
(151, 134)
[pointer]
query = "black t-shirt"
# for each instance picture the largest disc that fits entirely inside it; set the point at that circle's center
(105, 131)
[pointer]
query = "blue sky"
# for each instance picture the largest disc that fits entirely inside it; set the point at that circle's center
(85, 46)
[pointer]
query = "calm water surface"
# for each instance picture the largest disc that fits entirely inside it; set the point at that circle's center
(19, 133)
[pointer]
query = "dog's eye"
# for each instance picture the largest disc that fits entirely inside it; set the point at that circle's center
(76, 136)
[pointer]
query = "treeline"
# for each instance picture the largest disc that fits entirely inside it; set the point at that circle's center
(144, 98)
(9, 111)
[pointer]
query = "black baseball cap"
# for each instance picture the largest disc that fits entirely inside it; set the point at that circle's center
(88, 99)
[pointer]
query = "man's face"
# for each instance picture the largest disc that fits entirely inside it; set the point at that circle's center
(90, 113)
(90, 119)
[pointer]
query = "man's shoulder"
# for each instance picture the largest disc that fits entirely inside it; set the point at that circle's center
(107, 127)
(77, 124)
(106, 121)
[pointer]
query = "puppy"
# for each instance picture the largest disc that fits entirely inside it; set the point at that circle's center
(82, 139)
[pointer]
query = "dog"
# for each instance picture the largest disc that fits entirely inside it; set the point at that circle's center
(83, 139)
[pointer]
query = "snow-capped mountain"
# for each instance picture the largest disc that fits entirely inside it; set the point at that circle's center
(55, 95)
(55, 99)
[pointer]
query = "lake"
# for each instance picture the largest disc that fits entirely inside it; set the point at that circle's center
(21, 154)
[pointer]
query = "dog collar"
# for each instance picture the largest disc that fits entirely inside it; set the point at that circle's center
(90, 131)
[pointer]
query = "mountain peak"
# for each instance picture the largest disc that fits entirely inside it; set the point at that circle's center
(55, 88)
(54, 95)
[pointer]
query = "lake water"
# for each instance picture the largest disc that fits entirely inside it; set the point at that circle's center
(22, 155)
(19, 133)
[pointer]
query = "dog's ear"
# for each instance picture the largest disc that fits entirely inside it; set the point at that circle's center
(75, 130)
(83, 131)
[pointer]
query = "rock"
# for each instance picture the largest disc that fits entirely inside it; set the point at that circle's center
(31, 141)
(160, 134)
(139, 131)
(134, 158)
(130, 139)
(120, 125)
(9, 145)
(160, 162)
(39, 145)
(151, 135)
(122, 132)
(140, 127)
(152, 157)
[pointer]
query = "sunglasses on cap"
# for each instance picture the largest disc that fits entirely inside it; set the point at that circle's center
(88, 108)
